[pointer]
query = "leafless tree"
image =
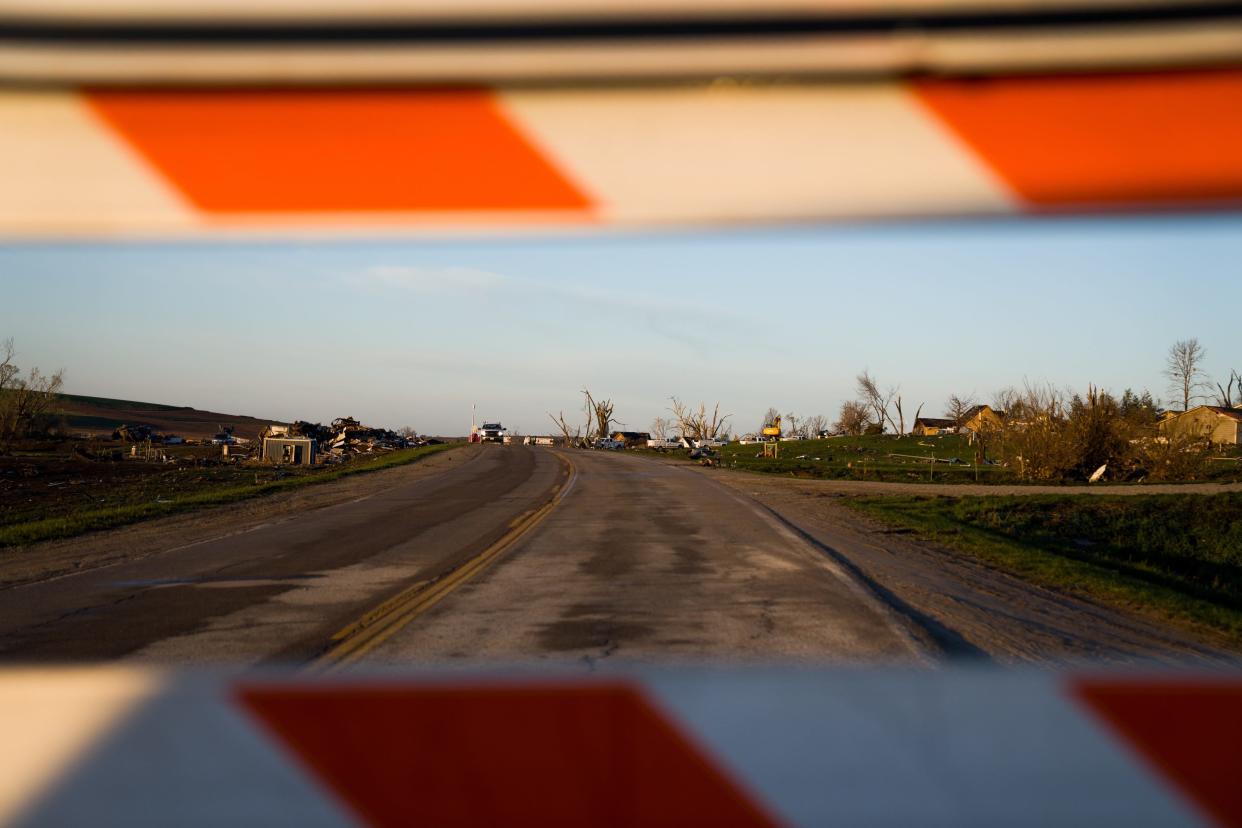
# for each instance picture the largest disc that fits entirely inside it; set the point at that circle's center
(1184, 369)
(698, 424)
(793, 427)
(571, 434)
(1007, 398)
(1225, 398)
(408, 432)
(1033, 439)
(958, 408)
(772, 415)
(854, 418)
(901, 416)
(599, 416)
(879, 401)
(8, 370)
(814, 426)
(27, 404)
(659, 428)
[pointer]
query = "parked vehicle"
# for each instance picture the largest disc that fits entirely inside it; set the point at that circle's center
(610, 445)
(663, 443)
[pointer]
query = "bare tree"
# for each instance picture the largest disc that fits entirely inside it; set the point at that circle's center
(1184, 369)
(854, 418)
(1007, 398)
(408, 432)
(26, 405)
(772, 415)
(958, 408)
(571, 434)
(8, 370)
(794, 429)
(1032, 440)
(816, 425)
(878, 401)
(1225, 398)
(599, 416)
(659, 428)
(698, 424)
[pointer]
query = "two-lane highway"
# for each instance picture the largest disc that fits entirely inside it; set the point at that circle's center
(519, 554)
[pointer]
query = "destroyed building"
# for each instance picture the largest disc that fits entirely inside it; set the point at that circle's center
(296, 451)
(345, 437)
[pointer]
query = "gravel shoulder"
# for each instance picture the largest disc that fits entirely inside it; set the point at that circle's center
(42, 561)
(962, 608)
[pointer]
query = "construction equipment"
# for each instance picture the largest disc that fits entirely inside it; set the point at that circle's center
(772, 438)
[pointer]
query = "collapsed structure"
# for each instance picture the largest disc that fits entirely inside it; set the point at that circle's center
(303, 443)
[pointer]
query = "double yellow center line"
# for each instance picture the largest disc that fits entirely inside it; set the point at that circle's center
(355, 640)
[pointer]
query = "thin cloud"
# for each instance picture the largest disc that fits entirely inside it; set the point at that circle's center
(430, 281)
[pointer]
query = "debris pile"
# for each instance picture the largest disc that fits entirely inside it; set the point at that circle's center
(352, 437)
(344, 438)
(134, 433)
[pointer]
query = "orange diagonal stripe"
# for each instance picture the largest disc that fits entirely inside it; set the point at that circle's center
(484, 755)
(1190, 731)
(1173, 138)
(234, 151)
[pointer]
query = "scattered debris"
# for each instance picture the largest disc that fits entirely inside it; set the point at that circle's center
(134, 433)
(345, 437)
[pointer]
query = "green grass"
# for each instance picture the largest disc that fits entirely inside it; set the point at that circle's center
(1175, 556)
(79, 521)
(868, 458)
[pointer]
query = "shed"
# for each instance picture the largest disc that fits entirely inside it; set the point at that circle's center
(298, 451)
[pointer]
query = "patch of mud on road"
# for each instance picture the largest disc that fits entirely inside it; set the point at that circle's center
(41, 561)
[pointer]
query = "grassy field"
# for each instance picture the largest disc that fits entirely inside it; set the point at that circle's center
(879, 457)
(59, 499)
(101, 415)
(906, 459)
(108, 402)
(1178, 557)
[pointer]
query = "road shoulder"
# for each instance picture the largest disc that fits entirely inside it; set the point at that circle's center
(962, 606)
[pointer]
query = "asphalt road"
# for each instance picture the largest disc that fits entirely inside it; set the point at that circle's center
(646, 562)
(279, 591)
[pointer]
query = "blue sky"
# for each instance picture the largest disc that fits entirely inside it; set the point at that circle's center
(412, 331)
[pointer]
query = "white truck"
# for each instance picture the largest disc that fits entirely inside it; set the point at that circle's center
(493, 433)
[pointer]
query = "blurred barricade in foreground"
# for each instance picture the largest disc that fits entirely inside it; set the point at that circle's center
(124, 746)
(155, 119)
